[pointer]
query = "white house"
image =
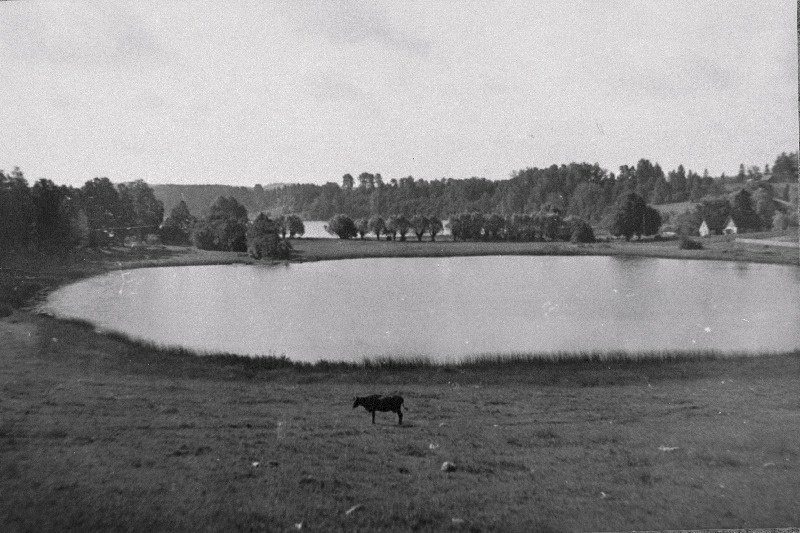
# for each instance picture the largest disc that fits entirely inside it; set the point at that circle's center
(730, 227)
(704, 231)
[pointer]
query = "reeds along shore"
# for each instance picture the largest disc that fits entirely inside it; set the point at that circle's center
(25, 281)
(561, 369)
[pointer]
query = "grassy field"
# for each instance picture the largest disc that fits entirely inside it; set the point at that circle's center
(100, 433)
(721, 247)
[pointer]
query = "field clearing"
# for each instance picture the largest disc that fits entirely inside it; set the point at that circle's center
(99, 433)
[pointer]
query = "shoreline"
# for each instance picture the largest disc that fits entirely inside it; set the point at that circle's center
(49, 277)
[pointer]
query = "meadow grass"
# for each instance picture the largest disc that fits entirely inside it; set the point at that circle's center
(102, 432)
(99, 433)
(480, 362)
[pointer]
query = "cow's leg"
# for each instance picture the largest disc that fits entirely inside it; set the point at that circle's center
(373, 417)
(400, 417)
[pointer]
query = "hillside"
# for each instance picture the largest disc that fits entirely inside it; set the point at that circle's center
(200, 197)
(581, 189)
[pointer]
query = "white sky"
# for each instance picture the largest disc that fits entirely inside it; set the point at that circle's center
(260, 92)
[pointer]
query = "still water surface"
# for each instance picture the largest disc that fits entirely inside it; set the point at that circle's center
(448, 308)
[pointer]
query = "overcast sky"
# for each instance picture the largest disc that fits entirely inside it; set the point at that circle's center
(260, 92)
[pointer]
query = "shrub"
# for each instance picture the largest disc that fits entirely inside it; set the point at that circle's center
(582, 232)
(689, 244)
(343, 226)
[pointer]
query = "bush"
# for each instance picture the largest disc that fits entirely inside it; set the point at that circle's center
(343, 226)
(582, 232)
(689, 244)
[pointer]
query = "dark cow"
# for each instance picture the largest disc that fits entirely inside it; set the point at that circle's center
(376, 402)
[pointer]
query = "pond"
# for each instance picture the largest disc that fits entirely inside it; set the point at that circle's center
(448, 308)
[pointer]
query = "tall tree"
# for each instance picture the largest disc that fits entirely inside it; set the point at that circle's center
(493, 226)
(227, 208)
(785, 168)
(177, 228)
(744, 213)
(434, 227)
(17, 214)
(263, 239)
(296, 226)
(629, 217)
(764, 205)
(347, 182)
(377, 226)
(678, 184)
(397, 225)
(587, 201)
(140, 208)
(419, 224)
(52, 223)
(225, 227)
(362, 227)
(104, 211)
(366, 181)
(651, 221)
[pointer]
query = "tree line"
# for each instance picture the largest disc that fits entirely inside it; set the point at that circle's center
(57, 218)
(579, 189)
(227, 227)
(52, 217)
(630, 217)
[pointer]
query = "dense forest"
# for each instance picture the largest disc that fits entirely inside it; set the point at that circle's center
(51, 217)
(580, 189)
(56, 219)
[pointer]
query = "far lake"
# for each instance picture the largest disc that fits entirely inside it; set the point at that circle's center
(448, 308)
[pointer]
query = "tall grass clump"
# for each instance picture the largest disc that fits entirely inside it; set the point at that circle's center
(398, 363)
(607, 357)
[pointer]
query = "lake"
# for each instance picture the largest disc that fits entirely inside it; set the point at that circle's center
(448, 308)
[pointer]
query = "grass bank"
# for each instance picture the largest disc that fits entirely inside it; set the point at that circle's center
(724, 248)
(98, 432)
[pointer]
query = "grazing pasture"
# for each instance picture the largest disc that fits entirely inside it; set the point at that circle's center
(377, 403)
(99, 433)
